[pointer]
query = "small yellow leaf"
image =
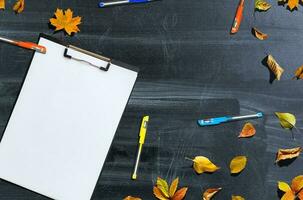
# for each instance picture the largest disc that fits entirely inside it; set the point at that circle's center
(258, 34)
(238, 164)
(284, 187)
(297, 184)
(158, 194)
(19, 6)
(2, 4)
(237, 198)
(274, 67)
(299, 73)
(262, 5)
(66, 21)
(180, 194)
(284, 154)
(173, 187)
(163, 186)
(247, 131)
(209, 193)
(287, 120)
(203, 164)
(131, 198)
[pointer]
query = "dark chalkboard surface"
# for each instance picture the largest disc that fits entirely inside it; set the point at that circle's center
(190, 67)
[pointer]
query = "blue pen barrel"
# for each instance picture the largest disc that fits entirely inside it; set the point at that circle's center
(121, 2)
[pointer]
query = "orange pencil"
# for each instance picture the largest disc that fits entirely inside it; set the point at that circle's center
(27, 45)
(238, 18)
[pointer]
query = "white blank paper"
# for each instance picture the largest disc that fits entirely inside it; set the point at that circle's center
(62, 125)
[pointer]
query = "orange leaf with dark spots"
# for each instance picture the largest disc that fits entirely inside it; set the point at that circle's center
(209, 193)
(247, 131)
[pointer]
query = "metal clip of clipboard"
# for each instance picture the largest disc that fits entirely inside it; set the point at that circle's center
(67, 55)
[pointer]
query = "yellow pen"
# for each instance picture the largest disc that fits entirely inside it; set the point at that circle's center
(142, 134)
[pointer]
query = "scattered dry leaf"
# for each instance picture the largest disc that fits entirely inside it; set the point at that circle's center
(237, 198)
(262, 5)
(66, 21)
(19, 6)
(292, 4)
(287, 120)
(258, 34)
(209, 193)
(237, 164)
(2, 4)
(203, 164)
(299, 73)
(247, 131)
(131, 198)
(293, 191)
(284, 154)
(163, 192)
(274, 67)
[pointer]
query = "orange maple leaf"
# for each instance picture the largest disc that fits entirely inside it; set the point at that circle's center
(66, 21)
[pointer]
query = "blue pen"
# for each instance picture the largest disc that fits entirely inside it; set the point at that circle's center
(219, 120)
(113, 3)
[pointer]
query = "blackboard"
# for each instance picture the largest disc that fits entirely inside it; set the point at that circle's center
(190, 67)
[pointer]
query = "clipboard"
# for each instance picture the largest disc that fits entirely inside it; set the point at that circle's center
(64, 120)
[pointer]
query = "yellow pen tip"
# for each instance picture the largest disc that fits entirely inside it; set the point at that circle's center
(134, 177)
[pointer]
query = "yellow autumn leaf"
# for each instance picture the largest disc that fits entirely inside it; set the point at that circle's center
(19, 6)
(247, 131)
(66, 21)
(262, 5)
(237, 164)
(284, 187)
(131, 198)
(258, 34)
(284, 154)
(2, 4)
(299, 73)
(202, 164)
(287, 120)
(274, 67)
(163, 186)
(237, 198)
(209, 193)
(173, 187)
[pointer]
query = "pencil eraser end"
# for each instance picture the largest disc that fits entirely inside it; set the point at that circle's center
(134, 177)
(101, 4)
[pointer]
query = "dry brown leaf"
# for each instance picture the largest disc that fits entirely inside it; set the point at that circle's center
(203, 164)
(209, 193)
(258, 34)
(293, 191)
(19, 6)
(237, 164)
(274, 67)
(66, 21)
(2, 4)
(163, 192)
(284, 154)
(237, 198)
(247, 131)
(180, 194)
(299, 73)
(131, 198)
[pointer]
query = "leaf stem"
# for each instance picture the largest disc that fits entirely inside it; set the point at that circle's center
(187, 158)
